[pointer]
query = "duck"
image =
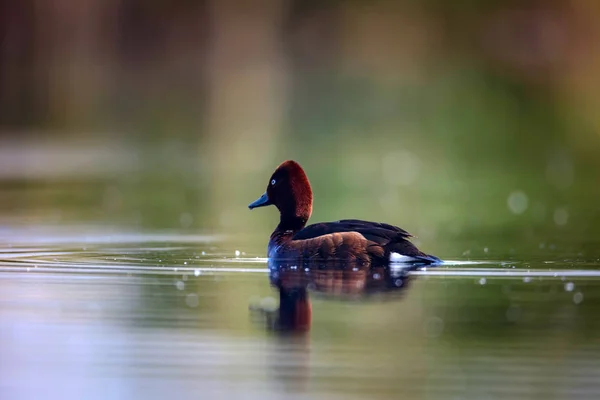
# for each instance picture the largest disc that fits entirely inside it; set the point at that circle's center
(348, 256)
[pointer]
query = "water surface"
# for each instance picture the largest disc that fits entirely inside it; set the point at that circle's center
(99, 313)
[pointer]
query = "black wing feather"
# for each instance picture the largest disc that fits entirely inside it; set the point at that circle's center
(375, 229)
(390, 237)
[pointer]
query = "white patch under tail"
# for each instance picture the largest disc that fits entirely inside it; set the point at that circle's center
(401, 258)
(400, 264)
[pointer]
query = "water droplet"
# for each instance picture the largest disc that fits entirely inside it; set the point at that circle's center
(192, 300)
(268, 304)
(517, 202)
(569, 286)
(482, 281)
(527, 279)
(561, 216)
(485, 250)
(376, 276)
(180, 285)
(398, 282)
(577, 297)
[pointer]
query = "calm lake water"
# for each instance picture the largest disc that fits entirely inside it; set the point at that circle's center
(124, 151)
(93, 313)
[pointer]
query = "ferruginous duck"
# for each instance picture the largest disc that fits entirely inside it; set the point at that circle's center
(348, 256)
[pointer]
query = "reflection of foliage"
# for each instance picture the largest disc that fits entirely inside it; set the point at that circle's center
(219, 302)
(512, 309)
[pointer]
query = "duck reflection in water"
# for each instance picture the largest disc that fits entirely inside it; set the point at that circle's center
(349, 257)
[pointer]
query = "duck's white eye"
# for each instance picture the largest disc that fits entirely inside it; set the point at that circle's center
(273, 181)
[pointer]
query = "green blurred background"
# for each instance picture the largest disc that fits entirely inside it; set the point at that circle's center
(472, 124)
(452, 119)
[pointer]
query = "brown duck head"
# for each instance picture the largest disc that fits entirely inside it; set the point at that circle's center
(289, 190)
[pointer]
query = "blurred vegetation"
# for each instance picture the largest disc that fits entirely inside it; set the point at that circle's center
(426, 114)
(471, 124)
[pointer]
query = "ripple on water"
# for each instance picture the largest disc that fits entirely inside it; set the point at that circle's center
(133, 311)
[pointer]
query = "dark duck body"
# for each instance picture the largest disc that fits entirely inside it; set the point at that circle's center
(349, 256)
